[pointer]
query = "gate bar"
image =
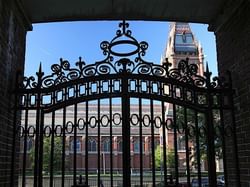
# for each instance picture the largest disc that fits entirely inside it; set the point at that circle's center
(198, 147)
(52, 143)
(40, 174)
(86, 144)
(210, 143)
(187, 146)
(141, 142)
(126, 131)
(222, 124)
(99, 144)
(152, 140)
(111, 141)
(25, 147)
(63, 144)
(164, 126)
(75, 141)
(175, 147)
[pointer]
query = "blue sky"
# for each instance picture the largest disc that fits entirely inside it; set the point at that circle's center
(49, 42)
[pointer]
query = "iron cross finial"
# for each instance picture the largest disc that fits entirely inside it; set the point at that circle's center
(123, 25)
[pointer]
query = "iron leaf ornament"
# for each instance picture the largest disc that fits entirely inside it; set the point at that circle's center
(116, 62)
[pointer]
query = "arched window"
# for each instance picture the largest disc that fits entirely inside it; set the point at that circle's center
(136, 146)
(106, 145)
(92, 145)
(119, 146)
(78, 145)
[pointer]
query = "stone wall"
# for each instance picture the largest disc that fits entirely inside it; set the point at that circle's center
(233, 49)
(12, 52)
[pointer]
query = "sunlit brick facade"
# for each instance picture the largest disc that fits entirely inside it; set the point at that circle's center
(92, 138)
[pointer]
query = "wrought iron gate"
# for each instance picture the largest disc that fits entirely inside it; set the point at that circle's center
(122, 121)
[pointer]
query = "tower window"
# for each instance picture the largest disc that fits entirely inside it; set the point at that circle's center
(184, 39)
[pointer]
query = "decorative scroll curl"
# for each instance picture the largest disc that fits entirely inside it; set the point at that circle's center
(61, 73)
(187, 73)
(116, 62)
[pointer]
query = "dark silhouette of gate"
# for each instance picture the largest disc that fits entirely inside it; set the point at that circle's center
(53, 110)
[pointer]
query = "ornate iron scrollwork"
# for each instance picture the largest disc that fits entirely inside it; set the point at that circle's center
(187, 108)
(63, 72)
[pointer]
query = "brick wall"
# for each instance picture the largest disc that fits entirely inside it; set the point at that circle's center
(233, 49)
(12, 48)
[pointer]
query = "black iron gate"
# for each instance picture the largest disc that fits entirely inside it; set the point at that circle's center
(123, 122)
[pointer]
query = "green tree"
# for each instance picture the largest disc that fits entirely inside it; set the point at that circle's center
(190, 116)
(57, 154)
(159, 157)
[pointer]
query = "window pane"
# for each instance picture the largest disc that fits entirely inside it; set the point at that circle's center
(119, 146)
(78, 145)
(137, 146)
(106, 145)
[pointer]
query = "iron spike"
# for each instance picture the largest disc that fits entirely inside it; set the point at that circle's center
(207, 67)
(40, 73)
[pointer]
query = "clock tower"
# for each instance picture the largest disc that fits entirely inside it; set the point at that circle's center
(182, 44)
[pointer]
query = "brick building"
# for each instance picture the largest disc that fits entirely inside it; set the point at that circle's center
(105, 147)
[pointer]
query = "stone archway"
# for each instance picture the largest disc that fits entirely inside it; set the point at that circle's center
(231, 27)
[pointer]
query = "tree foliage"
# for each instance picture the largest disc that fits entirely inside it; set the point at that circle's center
(170, 161)
(190, 119)
(57, 154)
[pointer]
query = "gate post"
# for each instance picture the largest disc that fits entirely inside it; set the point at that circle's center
(210, 133)
(125, 125)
